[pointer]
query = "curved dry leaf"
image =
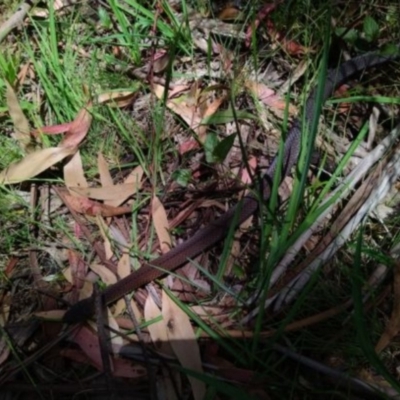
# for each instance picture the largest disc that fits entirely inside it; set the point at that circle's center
(183, 341)
(78, 129)
(73, 174)
(89, 344)
(158, 330)
(105, 274)
(120, 99)
(33, 164)
(161, 224)
(105, 234)
(21, 124)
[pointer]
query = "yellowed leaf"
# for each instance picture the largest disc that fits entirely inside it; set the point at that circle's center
(161, 224)
(74, 175)
(52, 315)
(183, 341)
(124, 265)
(33, 164)
(20, 122)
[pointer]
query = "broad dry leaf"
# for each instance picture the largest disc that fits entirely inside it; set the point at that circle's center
(78, 129)
(158, 330)
(268, 96)
(33, 164)
(161, 224)
(135, 180)
(107, 276)
(105, 234)
(123, 270)
(183, 341)
(124, 265)
(89, 344)
(104, 172)
(74, 175)
(21, 124)
(115, 193)
(188, 112)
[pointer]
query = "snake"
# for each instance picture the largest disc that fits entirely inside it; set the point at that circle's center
(217, 230)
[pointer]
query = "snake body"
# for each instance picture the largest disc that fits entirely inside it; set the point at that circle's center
(216, 231)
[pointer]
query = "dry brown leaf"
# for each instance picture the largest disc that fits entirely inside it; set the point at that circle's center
(183, 341)
(115, 193)
(268, 96)
(105, 274)
(33, 164)
(124, 265)
(119, 99)
(74, 175)
(123, 270)
(134, 179)
(20, 122)
(157, 330)
(105, 234)
(161, 224)
(104, 172)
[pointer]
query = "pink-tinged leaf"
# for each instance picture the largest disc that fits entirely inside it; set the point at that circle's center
(78, 268)
(53, 129)
(83, 205)
(78, 129)
(267, 96)
(161, 224)
(183, 341)
(182, 107)
(89, 344)
(73, 174)
(33, 164)
(21, 124)
(189, 145)
(245, 178)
